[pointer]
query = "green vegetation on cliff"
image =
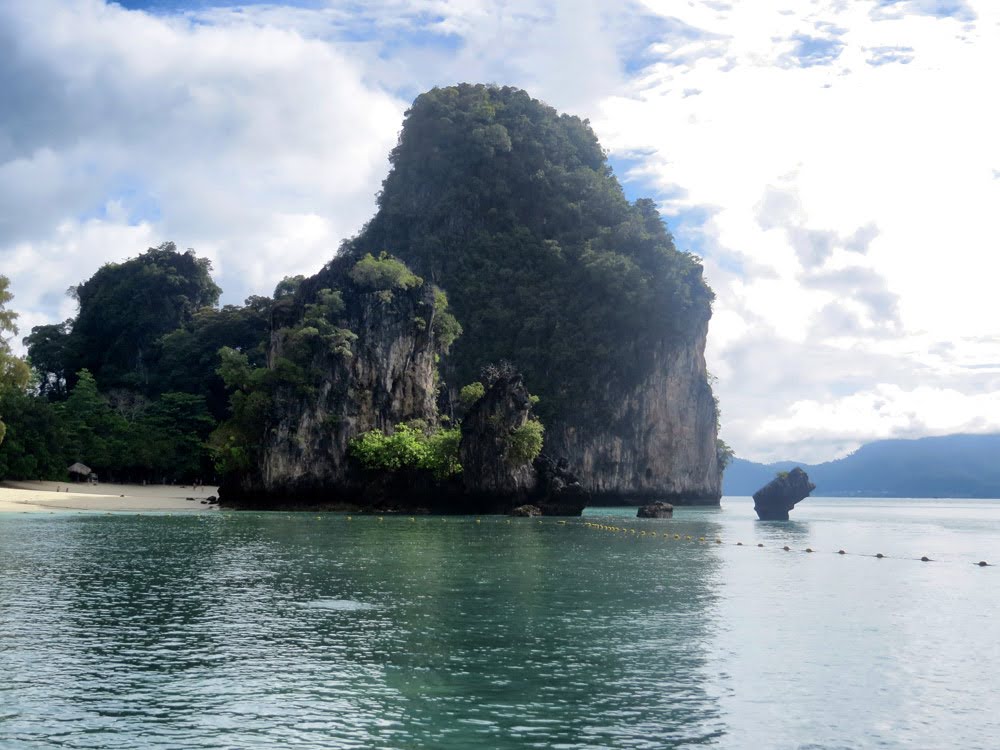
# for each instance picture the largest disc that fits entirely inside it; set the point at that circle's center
(513, 209)
(410, 446)
(129, 385)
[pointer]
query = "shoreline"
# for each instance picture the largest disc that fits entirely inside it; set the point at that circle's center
(44, 496)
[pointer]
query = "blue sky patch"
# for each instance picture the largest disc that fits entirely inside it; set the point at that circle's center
(136, 201)
(886, 55)
(634, 184)
(814, 50)
(957, 9)
(651, 29)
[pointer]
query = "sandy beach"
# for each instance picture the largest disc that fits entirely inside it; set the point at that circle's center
(36, 497)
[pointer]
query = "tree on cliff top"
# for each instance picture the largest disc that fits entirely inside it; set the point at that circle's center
(513, 209)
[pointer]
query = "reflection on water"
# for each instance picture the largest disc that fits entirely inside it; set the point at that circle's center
(296, 630)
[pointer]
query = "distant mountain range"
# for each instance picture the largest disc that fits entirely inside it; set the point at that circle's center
(950, 466)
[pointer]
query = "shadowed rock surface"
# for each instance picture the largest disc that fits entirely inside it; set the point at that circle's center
(487, 467)
(773, 501)
(559, 491)
(656, 510)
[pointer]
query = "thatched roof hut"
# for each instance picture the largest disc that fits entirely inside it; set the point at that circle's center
(80, 469)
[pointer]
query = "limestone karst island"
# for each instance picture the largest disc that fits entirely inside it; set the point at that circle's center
(506, 330)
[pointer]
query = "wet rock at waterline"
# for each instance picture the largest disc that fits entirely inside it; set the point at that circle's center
(773, 501)
(526, 511)
(656, 510)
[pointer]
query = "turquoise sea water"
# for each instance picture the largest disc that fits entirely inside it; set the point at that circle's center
(223, 630)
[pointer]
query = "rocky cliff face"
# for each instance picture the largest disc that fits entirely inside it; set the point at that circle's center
(661, 440)
(389, 378)
(486, 431)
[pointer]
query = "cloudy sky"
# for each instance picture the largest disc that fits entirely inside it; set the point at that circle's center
(835, 162)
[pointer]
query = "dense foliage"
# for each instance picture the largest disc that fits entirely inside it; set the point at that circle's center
(124, 309)
(514, 210)
(149, 328)
(471, 393)
(410, 446)
(384, 273)
(525, 443)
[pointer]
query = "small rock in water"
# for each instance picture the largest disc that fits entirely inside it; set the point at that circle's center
(773, 501)
(526, 511)
(656, 510)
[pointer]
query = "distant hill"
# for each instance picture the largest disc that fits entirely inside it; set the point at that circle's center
(949, 466)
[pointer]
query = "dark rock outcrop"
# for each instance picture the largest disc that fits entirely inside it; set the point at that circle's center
(526, 511)
(558, 491)
(488, 468)
(773, 501)
(656, 510)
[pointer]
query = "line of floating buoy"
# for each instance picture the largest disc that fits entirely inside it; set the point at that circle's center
(760, 545)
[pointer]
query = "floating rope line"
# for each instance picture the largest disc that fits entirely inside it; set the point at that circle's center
(760, 545)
